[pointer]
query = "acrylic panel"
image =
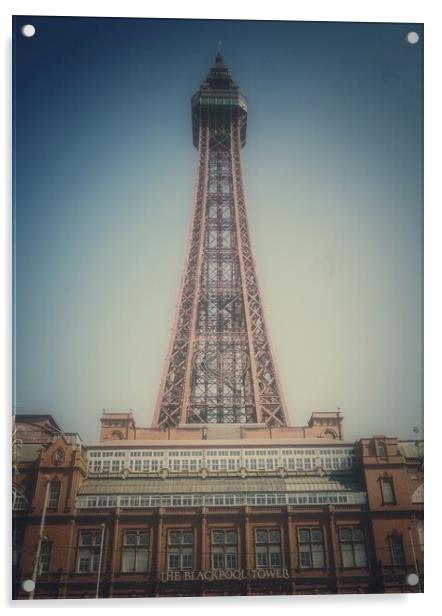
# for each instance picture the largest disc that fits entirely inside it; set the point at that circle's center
(217, 308)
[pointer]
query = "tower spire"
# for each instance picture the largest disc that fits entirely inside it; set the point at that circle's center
(219, 57)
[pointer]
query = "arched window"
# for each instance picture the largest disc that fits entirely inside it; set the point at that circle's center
(117, 434)
(329, 433)
(19, 501)
(387, 490)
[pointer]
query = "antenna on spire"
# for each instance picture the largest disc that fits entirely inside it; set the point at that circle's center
(219, 58)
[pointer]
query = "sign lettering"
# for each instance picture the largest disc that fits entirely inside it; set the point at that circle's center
(223, 574)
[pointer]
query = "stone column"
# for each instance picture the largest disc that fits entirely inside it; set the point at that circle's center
(248, 546)
(70, 555)
(292, 560)
(204, 553)
(115, 552)
(332, 549)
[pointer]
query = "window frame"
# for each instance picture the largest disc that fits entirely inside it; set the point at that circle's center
(311, 544)
(52, 503)
(353, 544)
(18, 534)
(94, 549)
(268, 548)
(19, 500)
(225, 548)
(137, 548)
(386, 483)
(380, 447)
(181, 550)
(397, 550)
(44, 564)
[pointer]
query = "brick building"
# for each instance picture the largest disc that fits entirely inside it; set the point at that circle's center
(213, 512)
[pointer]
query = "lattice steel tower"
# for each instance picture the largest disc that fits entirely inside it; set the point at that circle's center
(219, 367)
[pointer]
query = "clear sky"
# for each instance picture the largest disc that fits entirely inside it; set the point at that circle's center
(104, 175)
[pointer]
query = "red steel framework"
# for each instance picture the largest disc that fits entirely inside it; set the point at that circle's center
(219, 367)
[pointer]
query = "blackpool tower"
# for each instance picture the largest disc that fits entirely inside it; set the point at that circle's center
(219, 367)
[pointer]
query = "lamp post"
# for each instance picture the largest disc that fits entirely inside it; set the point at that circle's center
(40, 538)
(97, 592)
(414, 558)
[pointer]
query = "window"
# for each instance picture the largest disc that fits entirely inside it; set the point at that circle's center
(418, 494)
(224, 549)
(353, 547)
(89, 551)
(311, 548)
(268, 548)
(420, 534)
(397, 549)
(195, 465)
(289, 463)
(45, 557)
(381, 450)
(180, 550)
(387, 491)
(17, 543)
(135, 466)
(54, 494)
(135, 553)
(19, 501)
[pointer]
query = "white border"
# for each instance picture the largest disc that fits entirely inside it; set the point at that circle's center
(321, 10)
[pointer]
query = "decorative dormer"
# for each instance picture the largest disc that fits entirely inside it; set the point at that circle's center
(117, 426)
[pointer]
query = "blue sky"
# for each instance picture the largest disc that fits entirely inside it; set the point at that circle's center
(104, 174)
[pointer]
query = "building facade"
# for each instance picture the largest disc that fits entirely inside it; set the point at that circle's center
(215, 516)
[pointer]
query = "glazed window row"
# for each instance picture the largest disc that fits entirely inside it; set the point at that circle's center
(137, 553)
(219, 500)
(194, 465)
(140, 461)
(136, 549)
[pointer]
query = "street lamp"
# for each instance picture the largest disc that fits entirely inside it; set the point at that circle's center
(414, 579)
(97, 592)
(33, 580)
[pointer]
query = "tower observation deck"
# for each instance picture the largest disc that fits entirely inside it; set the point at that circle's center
(219, 367)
